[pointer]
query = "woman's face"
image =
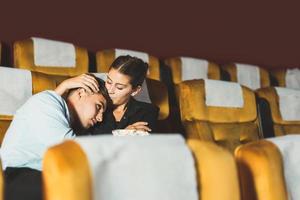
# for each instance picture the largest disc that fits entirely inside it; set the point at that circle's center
(119, 87)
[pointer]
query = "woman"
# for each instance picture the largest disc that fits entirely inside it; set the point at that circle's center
(124, 80)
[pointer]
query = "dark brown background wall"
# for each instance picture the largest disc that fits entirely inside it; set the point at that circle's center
(263, 33)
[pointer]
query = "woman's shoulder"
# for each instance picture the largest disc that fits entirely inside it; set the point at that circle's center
(144, 105)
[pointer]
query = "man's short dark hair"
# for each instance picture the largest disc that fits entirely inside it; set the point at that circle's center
(103, 91)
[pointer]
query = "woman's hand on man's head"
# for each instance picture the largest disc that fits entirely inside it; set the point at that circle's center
(85, 81)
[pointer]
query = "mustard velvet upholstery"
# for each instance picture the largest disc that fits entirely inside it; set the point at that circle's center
(228, 127)
(176, 68)
(66, 173)
(158, 94)
(24, 59)
(281, 127)
(261, 171)
(4, 124)
(279, 75)
(106, 57)
(217, 174)
(264, 75)
(40, 82)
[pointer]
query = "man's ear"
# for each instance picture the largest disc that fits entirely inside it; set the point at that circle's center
(136, 90)
(81, 92)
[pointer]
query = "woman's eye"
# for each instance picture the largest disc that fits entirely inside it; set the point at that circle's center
(120, 88)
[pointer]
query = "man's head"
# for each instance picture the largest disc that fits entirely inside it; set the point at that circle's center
(86, 108)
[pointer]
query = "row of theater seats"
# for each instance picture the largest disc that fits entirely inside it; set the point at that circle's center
(54, 57)
(230, 114)
(55, 61)
(119, 170)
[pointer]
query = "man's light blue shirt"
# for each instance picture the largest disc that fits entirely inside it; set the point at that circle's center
(43, 121)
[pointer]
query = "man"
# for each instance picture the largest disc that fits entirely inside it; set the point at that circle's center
(44, 120)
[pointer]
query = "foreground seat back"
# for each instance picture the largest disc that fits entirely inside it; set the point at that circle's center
(16, 86)
(217, 171)
(218, 111)
(82, 160)
(112, 168)
(51, 57)
(185, 68)
(280, 111)
(261, 171)
(105, 58)
(251, 76)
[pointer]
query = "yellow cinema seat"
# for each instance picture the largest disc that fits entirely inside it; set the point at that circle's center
(273, 121)
(226, 126)
(261, 174)
(66, 163)
(232, 70)
(39, 83)
(178, 64)
(217, 172)
(289, 78)
(24, 58)
(105, 58)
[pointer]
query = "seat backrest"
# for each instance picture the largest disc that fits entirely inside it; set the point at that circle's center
(153, 91)
(251, 76)
(90, 164)
(105, 58)
(50, 57)
(217, 172)
(109, 167)
(185, 68)
(289, 78)
(218, 111)
(260, 168)
(279, 108)
(16, 86)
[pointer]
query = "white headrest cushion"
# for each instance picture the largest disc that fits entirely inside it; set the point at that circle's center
(52, 53)
(124, 52)
(292, 78)
(223, 94)
(248, 75)
(192, 68)
(15, 89)
(143, 95)
(289, 103)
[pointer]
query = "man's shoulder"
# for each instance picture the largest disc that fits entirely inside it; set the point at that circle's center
(47, 95)
(44, 100)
